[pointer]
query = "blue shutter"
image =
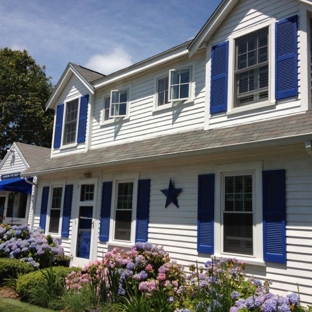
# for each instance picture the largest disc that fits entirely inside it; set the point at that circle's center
(67, 210)
(274, 214)
(105, 211)
(44, 207)
(83, 113)
(143, 204)
(58, 126)
(286, 82)
(205, 214)
(219, 78)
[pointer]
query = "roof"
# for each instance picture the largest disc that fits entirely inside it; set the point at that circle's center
(88, 74)
(290, 129)
(33, 154)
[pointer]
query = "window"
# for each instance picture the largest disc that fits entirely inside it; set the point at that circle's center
(238, 215)
(252, 68)
(106, 108)
(119, 102)
(55, 210)
(123, 211)
(70, 126)
(162, 91)
(179, 84)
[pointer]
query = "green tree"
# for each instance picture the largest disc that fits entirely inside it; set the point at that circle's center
(24, 90)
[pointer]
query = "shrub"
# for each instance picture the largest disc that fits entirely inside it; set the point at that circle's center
(19, 242)
(38, 279)
(12, 268)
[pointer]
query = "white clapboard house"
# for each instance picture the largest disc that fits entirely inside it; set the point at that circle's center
(204, 149)
(16, 192)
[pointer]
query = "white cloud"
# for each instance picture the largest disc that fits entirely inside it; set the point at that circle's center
(111, 62)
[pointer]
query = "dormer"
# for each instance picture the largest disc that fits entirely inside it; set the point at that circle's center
(71, 99)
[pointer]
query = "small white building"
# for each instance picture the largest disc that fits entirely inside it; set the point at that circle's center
(17, 193)
(204, 149)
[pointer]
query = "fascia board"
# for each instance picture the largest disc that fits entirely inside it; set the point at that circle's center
(69, 71)
(211, 25)
(139, 68)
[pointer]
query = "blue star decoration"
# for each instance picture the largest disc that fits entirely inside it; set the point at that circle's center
(171, 193)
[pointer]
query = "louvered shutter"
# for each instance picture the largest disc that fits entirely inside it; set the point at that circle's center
(219, 78)
(67, 210)
(286, 58)
(58, 126)
(44, 207)
(274, 214)
(205, 214)
(105, 211)
(83, 113)
(143, 204)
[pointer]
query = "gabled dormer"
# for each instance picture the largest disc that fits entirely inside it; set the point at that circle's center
(71, 99)
(254, 60)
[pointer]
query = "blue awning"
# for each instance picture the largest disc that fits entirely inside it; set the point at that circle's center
(18, 185)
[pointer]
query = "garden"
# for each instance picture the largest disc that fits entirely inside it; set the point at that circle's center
(143, 279)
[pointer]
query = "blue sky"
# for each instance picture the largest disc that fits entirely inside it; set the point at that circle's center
(104, 35)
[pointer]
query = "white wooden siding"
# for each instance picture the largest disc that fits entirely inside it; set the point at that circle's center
(13, 163)
(144, 122)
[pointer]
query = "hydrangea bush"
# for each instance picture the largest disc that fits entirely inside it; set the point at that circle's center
(146, 277)
(34, 247)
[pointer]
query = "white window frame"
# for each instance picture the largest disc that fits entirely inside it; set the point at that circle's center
(123, 179)
(255, 170)
(190, 84)
(50, 207)
(165, 105)
(65, 144)
(111, 115)
(271, 70)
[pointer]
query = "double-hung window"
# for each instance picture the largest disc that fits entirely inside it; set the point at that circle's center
(162, 91)
(123, 211)
(179, 84)
(238, 214)
(55, 209)
(119, 103)
(70, 125)
(252, 68)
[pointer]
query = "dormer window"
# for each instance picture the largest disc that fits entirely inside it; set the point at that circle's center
(119, 103)
(70, 125)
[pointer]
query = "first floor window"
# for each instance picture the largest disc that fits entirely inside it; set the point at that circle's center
(119, 102)
(238, 215)
(70, 127)
(55, 211)
(123, 211)
(162, 91)
(180, 84)
(252, 68)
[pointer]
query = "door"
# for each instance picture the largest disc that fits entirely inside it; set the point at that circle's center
(16, 211)
(83, 236)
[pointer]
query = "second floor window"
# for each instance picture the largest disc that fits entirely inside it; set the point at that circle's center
(252, 68)
(70, 127)
(179, 84)
(162, 91)
(119, 103)
(106, 108)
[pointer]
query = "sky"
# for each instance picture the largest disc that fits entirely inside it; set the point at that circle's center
(103, 35)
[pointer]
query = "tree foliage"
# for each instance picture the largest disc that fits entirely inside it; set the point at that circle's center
(24, 90)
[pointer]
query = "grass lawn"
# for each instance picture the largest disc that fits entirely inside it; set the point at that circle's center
(13, 305)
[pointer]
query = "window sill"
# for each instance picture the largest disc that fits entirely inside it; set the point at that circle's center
(68, 146)
(122, 244)
(249, 261)
(114, 121)
(251, 107)
(172, 105)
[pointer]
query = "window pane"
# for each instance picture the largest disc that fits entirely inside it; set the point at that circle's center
(57, 197)
(184, 91)
(54, 220)
(175, 77)
(123, 96)
(238, 233)
(87, 192)
(125, 194)
(162, 91)
(123, 109)
(175, 92)
(115, 97)
(123, 225)
(185, 76)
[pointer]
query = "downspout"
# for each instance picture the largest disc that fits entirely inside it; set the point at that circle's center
(34, 200)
